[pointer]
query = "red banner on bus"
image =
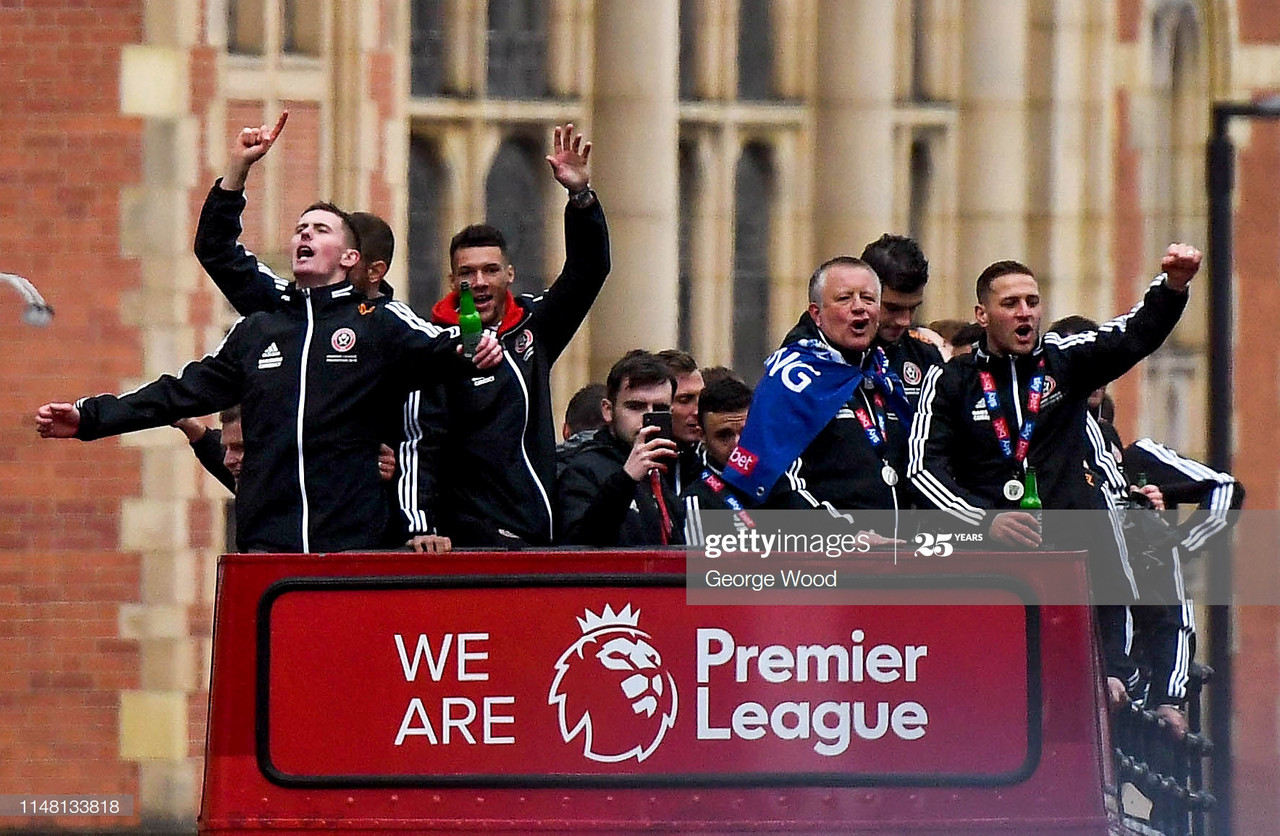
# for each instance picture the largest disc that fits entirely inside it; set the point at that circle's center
(483, 682)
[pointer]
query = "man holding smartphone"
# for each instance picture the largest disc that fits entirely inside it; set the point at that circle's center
(616, 490)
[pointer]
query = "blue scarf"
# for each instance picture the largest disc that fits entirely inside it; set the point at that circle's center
(805, 385)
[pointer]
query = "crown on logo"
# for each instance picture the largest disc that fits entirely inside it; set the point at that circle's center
(622, 618)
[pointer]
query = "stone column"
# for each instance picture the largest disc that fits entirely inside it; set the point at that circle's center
(854, 125)
(992, 222)
(156, 83)
(635, 124)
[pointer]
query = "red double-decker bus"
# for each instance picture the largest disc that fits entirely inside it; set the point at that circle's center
(581, 692)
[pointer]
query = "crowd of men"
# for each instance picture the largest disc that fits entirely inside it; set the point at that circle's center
(350, 422)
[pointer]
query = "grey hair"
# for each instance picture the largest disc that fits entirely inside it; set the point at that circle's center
(818, 281)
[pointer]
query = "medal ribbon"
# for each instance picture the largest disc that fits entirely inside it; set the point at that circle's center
(876, 432)
(713, 481)
(1000, 424)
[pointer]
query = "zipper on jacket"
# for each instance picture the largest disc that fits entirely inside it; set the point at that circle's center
(524, 452)
(302, 409)
(1017, 398)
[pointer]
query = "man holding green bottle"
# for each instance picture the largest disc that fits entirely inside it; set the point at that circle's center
(493, 478)
(1018, 403)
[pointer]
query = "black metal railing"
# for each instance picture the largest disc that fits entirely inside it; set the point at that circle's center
(1167, 770)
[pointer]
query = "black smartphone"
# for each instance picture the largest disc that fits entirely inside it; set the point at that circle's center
(662, 420)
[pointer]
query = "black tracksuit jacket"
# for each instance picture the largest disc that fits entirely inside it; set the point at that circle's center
(494, 480)
(251, 286)
(1184, 480)
(955, 460)
(600, 505)
(313, 378)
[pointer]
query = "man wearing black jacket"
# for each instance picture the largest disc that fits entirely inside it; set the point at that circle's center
(312, 378)
(722, 413)
(417, 428)
(960, 460)
(903, 272)
(616, 490)
(494, 485)
(855, 460)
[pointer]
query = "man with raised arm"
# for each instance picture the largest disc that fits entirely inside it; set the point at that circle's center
(500, 454)
(1019, 401)
(313, 378)
(251, 286)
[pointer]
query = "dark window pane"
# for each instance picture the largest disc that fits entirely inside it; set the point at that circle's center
(921, 186)
(302, 27)
(513, 203)
(688, 202)
(246, 20)
(752, 192)
(517, 49)
(688, 49)
(426, 48)
(426, 188)
(755, 51)
(919, 49)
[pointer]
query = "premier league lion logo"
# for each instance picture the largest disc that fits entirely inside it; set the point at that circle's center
(612, 689)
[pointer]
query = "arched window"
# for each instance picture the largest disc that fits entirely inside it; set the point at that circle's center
(513, 203)
(753, 192)
(755, 50)
(427, 263)
(426, 48)
(685, 230)
(517, 49)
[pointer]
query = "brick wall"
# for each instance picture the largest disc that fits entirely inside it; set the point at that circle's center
(65, 153)
(92, 635)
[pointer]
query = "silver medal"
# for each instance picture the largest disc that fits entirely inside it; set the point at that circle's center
(1013, 490)
(889, 475)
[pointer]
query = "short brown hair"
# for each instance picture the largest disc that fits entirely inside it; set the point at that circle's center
(353, 236)
(996, 271)
(638, 368)
(680, 362)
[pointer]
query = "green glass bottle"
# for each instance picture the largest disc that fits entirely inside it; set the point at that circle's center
(468, 320)
(1031, 492)
(1030, 501)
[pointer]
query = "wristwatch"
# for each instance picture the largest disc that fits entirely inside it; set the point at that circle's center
(582, 199)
